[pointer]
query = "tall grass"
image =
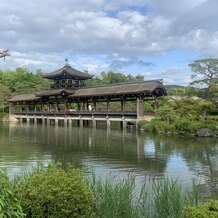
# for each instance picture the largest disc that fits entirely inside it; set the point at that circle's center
(165, 198)
(118, 199)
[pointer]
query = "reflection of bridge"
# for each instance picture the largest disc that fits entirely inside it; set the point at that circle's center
(80, 116)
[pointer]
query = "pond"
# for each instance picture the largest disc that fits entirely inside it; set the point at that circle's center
(112, 153)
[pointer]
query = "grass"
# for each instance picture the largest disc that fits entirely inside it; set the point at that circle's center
(165, 198)
(127, 198)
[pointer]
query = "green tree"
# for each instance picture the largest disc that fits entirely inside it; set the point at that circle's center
(5, 95)
(205, 73)
(110, 77)
(23, 81)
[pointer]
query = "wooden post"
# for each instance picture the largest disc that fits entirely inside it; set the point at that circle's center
(65, 121)
(108, 124)
(140, 108)
(81, 123)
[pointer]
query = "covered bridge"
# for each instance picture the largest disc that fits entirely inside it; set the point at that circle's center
(68, 99)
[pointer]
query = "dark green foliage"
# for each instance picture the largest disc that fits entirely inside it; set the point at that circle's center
(207, 210)
(9, 205)
(183, 116)
(18, 82)
(54, 192)
(152, 125)
(23, 81)
(205, 71)
(111, 77)
(142, 123)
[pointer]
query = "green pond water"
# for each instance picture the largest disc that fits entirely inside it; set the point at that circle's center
(112, 153)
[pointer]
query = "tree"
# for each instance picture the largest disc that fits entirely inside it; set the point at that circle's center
(206, 73)
(5, 95)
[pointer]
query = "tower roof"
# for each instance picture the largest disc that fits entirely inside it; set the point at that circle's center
(67, 72)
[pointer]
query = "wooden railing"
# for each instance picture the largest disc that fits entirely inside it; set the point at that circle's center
(72, 113)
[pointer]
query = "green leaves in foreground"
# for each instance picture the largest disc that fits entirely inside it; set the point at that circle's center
(9, 205)
(55, 192)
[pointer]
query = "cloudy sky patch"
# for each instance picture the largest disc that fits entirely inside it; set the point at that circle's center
(149, 37)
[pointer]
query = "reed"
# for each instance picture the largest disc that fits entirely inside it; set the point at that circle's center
(164, 198)
(118, 199)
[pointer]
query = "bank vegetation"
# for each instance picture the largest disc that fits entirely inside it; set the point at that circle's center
(56, 192)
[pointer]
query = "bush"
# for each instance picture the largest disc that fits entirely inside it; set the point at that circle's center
(194, 126)
(54, 192)
(163, 126)
(151, 126)
(209, 209)
(9, 205)
(182, 124)
(142, 123)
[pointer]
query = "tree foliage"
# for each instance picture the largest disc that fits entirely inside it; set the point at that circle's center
(111, 77)
(20, 81)
(205, 72)
(185, 116)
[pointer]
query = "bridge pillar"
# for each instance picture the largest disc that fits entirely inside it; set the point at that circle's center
(65, 121)
(108, 124)
(93, 123)
(43, 120)
(123, 105)
(94, 106)
(81, 123)
(124, 124)
(69, 122)
(140, 108)
(56, 121)
(35, 120)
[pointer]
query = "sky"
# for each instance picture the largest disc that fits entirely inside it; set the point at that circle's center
(154, 38)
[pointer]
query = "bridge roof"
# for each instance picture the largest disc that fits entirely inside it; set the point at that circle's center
(135, 88)
(146, 88)
(24, 97)
(54, 92)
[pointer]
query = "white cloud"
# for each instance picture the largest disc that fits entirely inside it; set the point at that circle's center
(44, 32)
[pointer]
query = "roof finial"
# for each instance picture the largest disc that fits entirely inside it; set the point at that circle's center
(66, 60)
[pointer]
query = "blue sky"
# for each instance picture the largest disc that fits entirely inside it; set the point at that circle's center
(154, 38)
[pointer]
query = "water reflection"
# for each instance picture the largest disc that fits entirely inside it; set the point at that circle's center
(111, 152)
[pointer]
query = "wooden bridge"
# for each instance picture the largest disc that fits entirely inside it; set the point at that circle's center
(56, 117)
(68, 100)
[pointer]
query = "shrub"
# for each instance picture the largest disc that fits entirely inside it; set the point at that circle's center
(151, 127)
(163, 126)
(54, 192)
(9, 205)
(209, 209)
(194, 126)
(142, 123)
(182, 124)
